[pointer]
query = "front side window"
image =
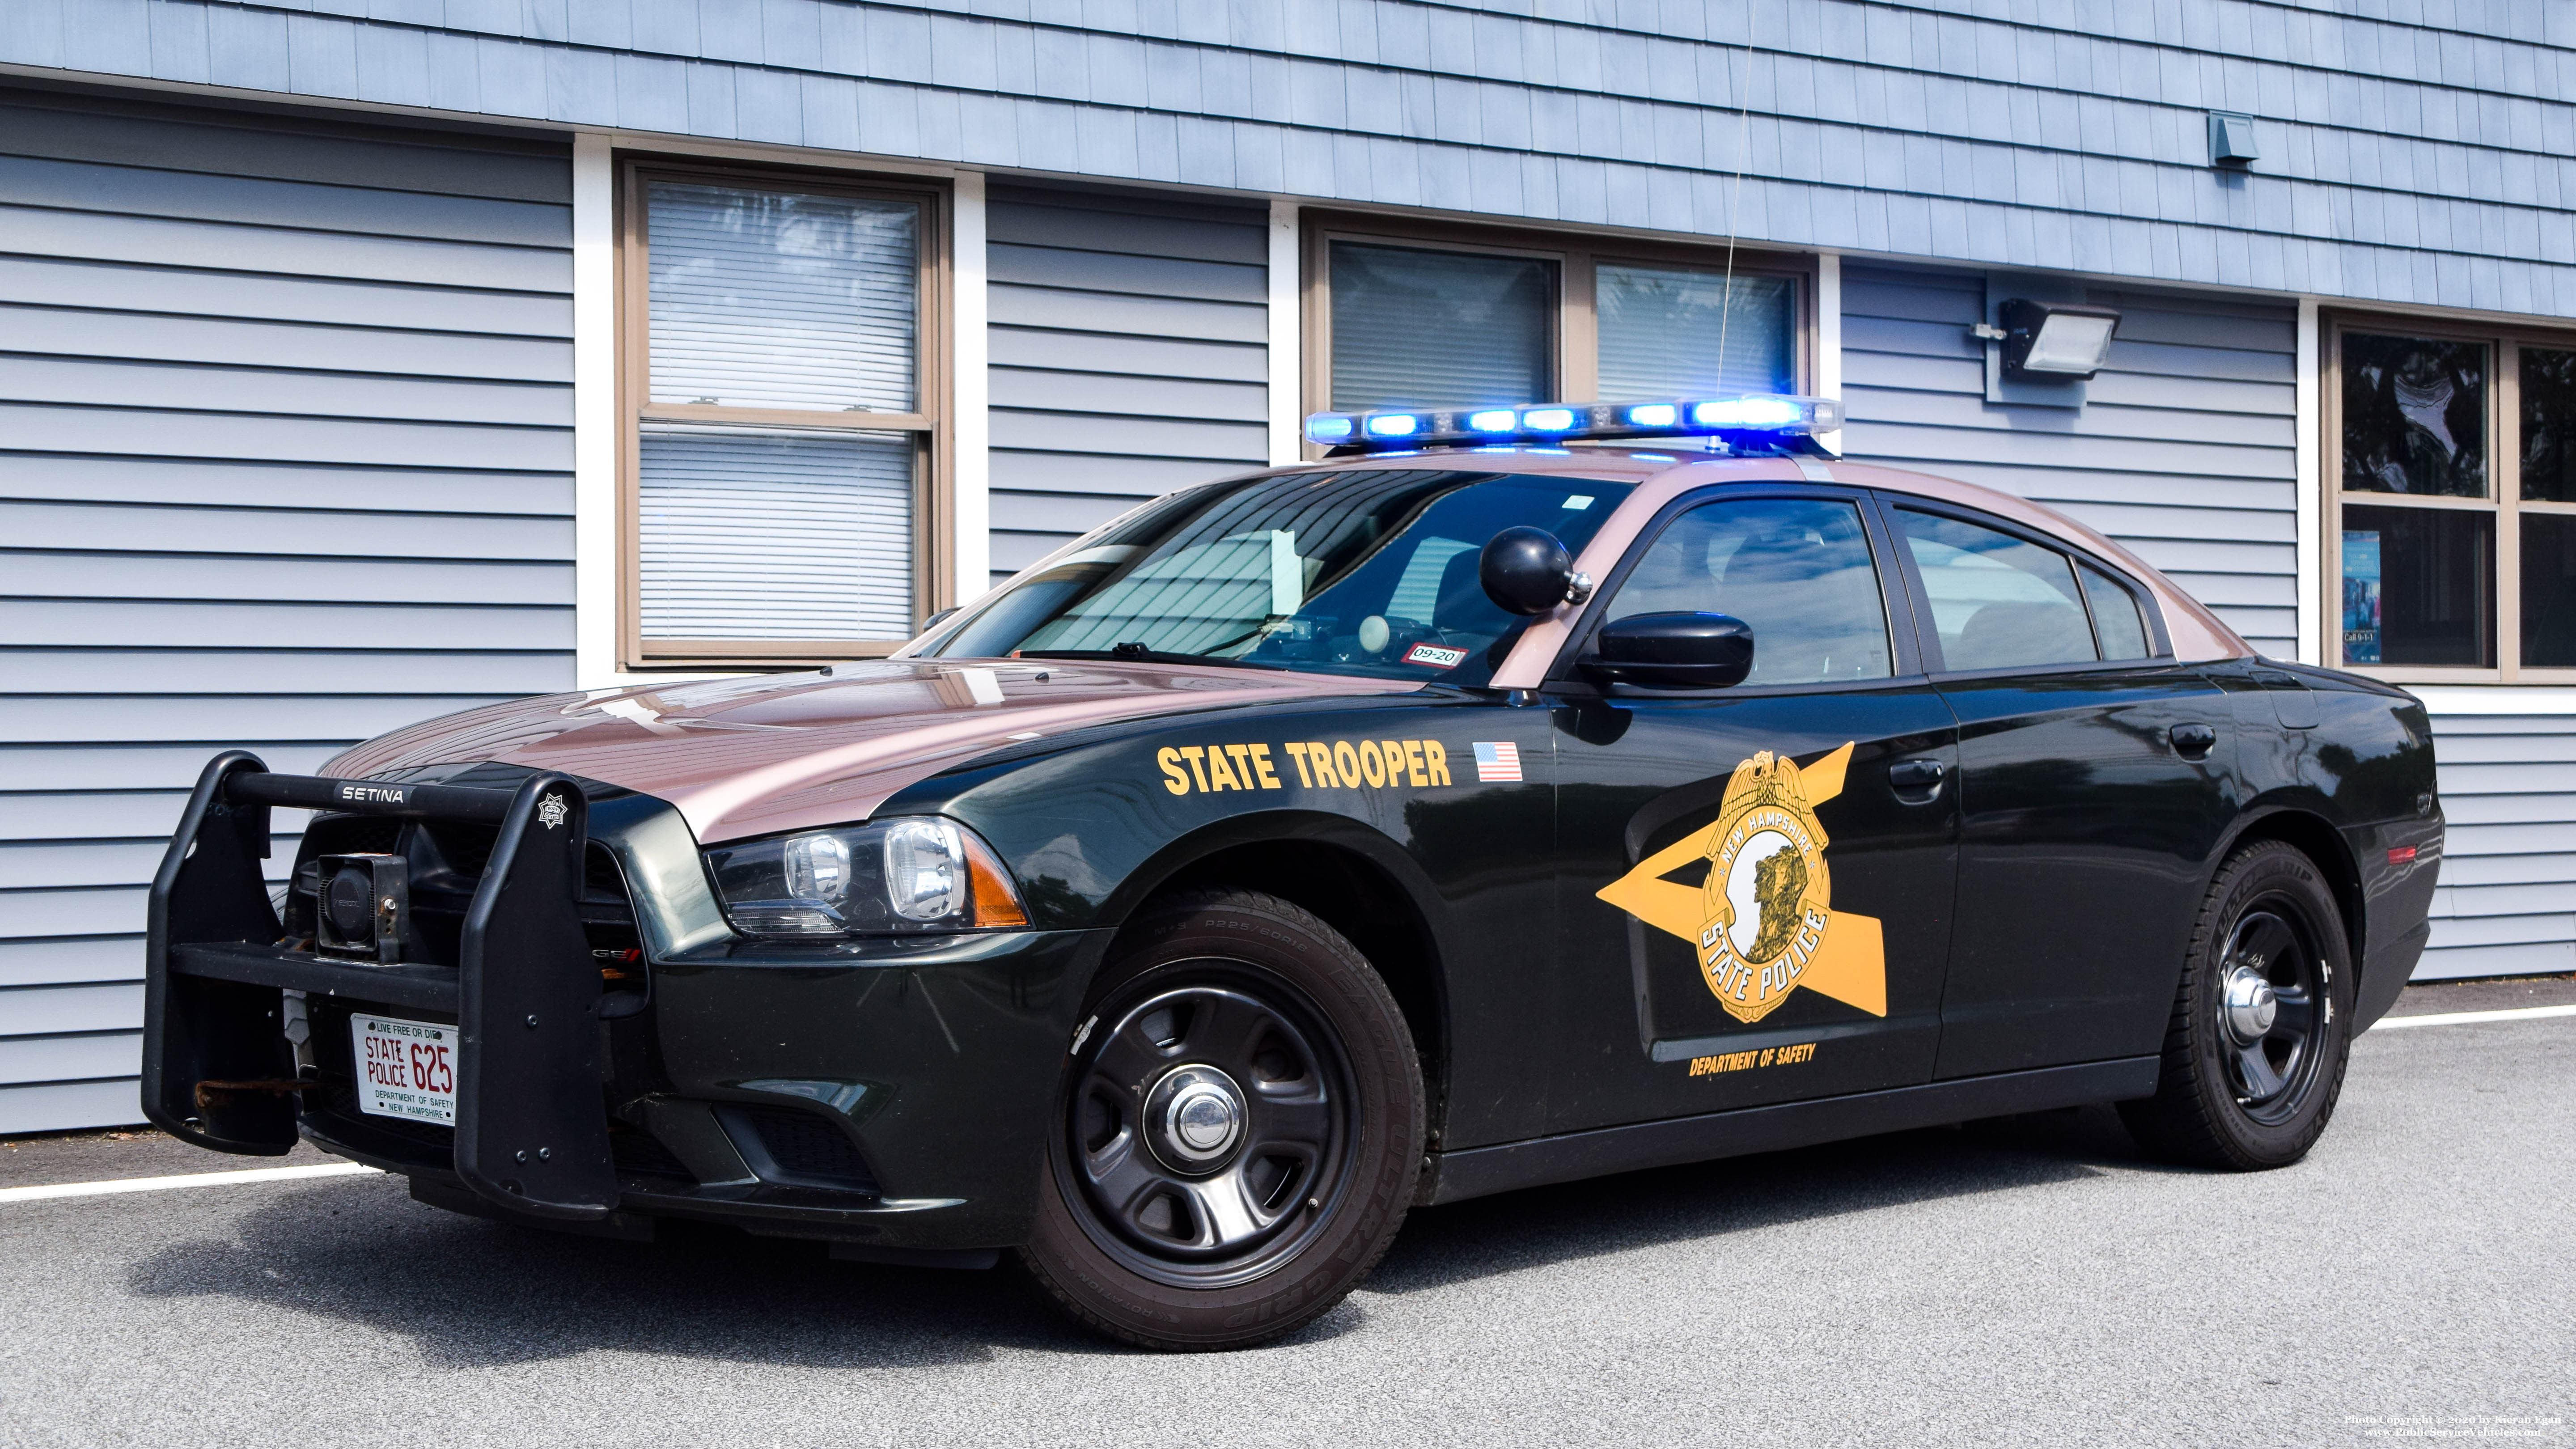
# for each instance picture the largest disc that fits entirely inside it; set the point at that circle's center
(1797, 570)
(2454, 501)
(780, 439)
(1370, 573)
(1455, 317)
(2002, 602)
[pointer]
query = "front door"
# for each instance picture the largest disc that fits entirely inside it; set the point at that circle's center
(2093, 789)
(1756, 881)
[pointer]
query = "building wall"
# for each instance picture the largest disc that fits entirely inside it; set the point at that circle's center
(1128, 345)
(284, 462)
(2185, 450)
(2421, 153)
(2507, 902)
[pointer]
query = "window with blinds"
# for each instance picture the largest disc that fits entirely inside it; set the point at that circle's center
(780, 445)
(1685, 332)
(1441, 316)
(1427, 329)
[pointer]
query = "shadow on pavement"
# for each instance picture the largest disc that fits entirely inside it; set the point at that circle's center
(1461, 1242)
(472, 1293)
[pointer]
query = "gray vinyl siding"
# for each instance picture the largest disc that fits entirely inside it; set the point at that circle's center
(2507, 902)
(285, 453)
(2185, 451)
(1128, 356)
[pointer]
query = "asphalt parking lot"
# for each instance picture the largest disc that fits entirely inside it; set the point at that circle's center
(2033, 1280)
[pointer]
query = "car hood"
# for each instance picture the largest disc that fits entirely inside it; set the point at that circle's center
(744, 757)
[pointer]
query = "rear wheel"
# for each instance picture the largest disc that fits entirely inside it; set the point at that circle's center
(2254, 1054)
(1239, 1132)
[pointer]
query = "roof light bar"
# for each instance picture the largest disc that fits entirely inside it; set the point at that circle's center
(1750, 416)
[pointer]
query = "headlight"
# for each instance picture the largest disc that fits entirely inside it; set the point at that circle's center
(893, 877)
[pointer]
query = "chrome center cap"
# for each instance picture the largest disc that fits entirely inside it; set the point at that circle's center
(1195, 1116)
(2247, 1003)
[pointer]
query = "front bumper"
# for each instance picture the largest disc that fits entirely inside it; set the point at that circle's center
(892, 1095)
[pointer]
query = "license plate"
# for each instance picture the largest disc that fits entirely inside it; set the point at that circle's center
(406, 1069)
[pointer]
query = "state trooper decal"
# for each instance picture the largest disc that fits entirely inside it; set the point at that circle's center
(1763, 922)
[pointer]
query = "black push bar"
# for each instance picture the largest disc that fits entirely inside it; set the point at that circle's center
(531, 1123)
(369, 797)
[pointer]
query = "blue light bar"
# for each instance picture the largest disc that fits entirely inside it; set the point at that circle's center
(1753, 420)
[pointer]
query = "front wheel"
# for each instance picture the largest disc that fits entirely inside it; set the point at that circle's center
(1239, 1130)
(2254, 1054)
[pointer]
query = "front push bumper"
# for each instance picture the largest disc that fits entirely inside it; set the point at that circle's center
(892, 1096)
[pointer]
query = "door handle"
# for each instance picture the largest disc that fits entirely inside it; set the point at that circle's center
(1916, 781)
(2193, 741)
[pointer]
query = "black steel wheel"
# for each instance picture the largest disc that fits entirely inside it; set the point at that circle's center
(2254, 1054)
(1240, 1132)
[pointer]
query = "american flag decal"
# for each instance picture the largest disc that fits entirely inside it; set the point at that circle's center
(1498, 762)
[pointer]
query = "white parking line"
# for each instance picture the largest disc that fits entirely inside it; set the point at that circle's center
(2468, 1018)
(191, 1179)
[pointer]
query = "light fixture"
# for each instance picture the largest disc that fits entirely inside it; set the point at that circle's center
(2047, 342)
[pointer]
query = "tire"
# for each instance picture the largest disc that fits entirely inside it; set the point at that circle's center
(2239, 1089)
(1238, 1133)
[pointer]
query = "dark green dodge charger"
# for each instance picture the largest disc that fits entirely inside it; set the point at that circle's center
(1513, 796)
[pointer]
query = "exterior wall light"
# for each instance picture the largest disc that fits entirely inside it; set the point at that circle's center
(2045, 341)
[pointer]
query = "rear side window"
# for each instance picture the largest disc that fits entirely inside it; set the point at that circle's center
(2123, 630)
(1999, 602)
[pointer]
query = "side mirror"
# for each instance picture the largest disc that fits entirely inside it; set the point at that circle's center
(935, 620)
(1673, 651)
(1525, 570)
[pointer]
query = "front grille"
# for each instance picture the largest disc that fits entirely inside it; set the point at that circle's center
(806, 1145)
(352, 835)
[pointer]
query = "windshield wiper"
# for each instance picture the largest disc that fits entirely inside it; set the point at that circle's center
(1139, 654)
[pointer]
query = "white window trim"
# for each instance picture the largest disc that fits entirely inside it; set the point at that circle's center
(970, 390)
(1286, 334)
(1829, 339)
(2308, 418)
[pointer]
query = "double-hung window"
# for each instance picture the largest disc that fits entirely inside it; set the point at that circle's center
(782, 408)
(1435, 316)
(2452, 490)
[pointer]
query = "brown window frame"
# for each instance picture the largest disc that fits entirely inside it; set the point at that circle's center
(2504, 501)
(1575, 334)
(934, 513)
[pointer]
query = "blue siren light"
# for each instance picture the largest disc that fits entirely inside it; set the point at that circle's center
(1757, 422)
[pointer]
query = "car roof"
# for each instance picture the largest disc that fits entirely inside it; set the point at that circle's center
(1665, 473)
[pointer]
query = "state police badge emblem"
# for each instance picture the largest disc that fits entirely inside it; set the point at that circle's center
(1763, 922)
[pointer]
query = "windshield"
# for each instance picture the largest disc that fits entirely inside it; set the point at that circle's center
(1346, 572)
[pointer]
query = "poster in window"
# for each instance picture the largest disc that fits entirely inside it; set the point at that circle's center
(2361, 596)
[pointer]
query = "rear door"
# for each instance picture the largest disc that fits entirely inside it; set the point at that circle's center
(1756, 881)
(2093, 789)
